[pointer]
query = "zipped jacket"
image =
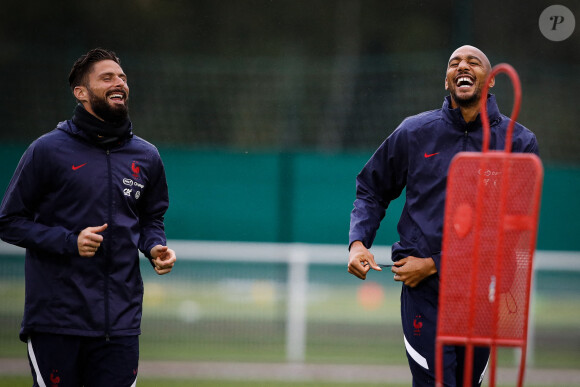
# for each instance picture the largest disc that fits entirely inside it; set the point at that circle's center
(64, 183)
(416, 157)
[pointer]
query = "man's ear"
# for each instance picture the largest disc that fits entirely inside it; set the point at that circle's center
(446, 84)
(80, 93)
(491, 82)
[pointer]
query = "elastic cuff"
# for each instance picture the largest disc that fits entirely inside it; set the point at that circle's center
(437, 259)
(72, 245)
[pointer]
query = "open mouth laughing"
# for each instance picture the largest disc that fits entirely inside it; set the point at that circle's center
(117, 96)
(464, 81)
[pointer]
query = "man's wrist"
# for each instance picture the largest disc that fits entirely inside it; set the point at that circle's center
(356, 244)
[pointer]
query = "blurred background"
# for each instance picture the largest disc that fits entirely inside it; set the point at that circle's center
(264, 112)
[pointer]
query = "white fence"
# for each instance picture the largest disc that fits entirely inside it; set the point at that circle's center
(298, 257)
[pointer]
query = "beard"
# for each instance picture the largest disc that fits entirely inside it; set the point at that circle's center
(467, 101)
(108, 113)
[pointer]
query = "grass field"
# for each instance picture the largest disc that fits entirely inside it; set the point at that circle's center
(238, 313)
(26, 382)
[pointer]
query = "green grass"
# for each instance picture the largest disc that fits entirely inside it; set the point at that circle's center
(18, 381)
(11, 381)
(238, 313)
(223, 383)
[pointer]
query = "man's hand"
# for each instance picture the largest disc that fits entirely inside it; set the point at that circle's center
(412, 270)
(360, 260)
(89, 241)
(163, 259)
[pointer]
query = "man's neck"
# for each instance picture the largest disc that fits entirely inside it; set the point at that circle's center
(469, 112)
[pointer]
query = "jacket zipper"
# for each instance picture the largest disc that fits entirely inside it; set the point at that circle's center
(108, 245)
(465, 141)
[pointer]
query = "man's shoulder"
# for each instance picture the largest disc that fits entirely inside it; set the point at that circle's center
(144, 146)
(524, 140)
(53, 137)
(422, 119)
(519, 129)
(142, 143)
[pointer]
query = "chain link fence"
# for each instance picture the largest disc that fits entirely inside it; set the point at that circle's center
(335, 104)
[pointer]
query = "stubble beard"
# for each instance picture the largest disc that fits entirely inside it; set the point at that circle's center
(466, 102)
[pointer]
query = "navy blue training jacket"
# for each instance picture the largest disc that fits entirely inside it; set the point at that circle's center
(416, 156)
(63, 184)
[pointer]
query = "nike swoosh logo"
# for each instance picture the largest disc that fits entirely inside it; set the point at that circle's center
(430, 155)
(74, 168)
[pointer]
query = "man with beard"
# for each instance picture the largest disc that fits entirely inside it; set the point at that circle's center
(416, 157)
(85, 198)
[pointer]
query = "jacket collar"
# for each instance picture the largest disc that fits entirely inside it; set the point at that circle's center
(89, 128)
(72, 129)
(454, 115)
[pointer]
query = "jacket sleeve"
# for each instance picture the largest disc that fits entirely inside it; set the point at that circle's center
(382, 180)
(21, 200)
(153, 208)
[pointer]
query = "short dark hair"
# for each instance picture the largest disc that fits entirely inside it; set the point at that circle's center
(83, 66)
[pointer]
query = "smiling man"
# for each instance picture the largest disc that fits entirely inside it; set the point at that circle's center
(416, 157)
(85, 198)
(467, 71)
(105, 92)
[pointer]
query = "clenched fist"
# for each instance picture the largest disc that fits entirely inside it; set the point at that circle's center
(89, 240)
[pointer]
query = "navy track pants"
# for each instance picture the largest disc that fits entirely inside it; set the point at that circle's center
(76, 361)
(419, 319)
